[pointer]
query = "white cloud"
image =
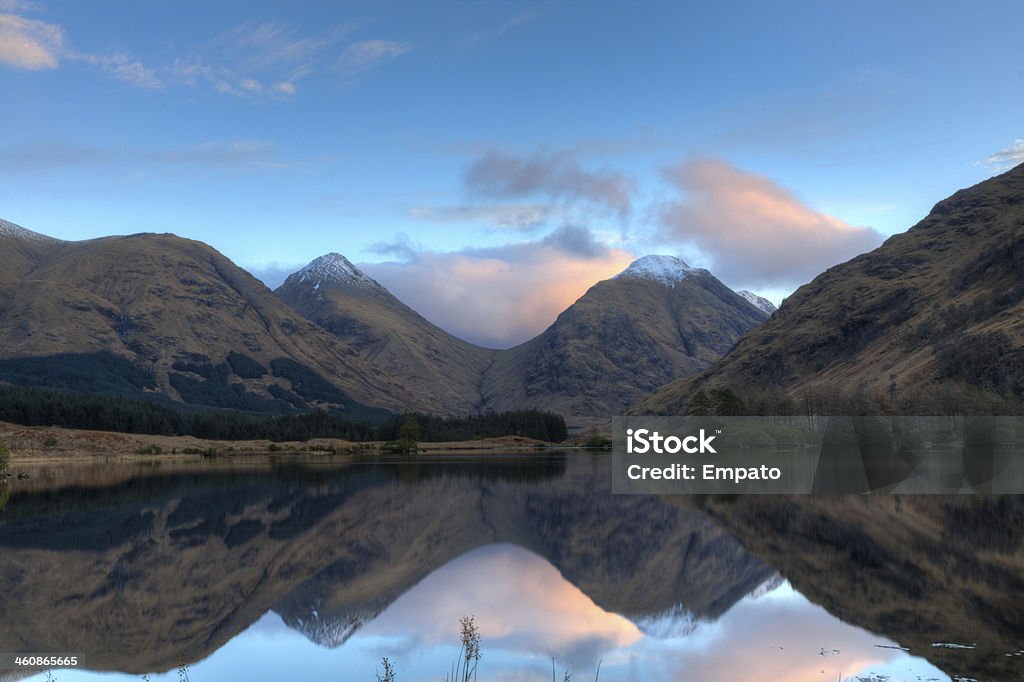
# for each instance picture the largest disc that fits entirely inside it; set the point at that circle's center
(29, 44)
(1007, 158)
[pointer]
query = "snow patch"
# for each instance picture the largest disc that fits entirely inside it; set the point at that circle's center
(758, 302)
(667, 270)
(675, 623)
(8, 229)
(767, 587)
(333, 268)
(331, 632)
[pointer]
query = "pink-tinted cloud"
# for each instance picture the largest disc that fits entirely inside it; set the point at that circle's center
(501, 296)
(756, 233)
(29, 44)
(531, 608)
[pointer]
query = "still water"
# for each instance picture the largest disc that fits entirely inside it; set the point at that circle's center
(312, 569)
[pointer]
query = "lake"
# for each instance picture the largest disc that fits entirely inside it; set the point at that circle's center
(311, 568)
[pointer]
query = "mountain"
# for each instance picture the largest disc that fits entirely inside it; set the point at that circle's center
(157, 314)
(367, 318)
(758, 301)
(657, 320)
(926, 323)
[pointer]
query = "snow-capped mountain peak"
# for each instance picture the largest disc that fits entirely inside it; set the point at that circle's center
(9, 229)
(333, 268)
(758, 301)
(667, 270)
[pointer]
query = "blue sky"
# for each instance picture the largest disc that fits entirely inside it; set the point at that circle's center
(462, 150)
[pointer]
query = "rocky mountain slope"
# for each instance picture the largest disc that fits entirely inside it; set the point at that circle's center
(657, 320)
(932, 318)
(155, 313)
(158, 314)
(367, 318)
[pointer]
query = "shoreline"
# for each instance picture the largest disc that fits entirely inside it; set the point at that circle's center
(53, 444)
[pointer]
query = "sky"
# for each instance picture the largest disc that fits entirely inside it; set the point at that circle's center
(489, 161)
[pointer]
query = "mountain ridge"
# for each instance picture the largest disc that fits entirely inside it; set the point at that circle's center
(929, 322)
(178, 309)
(175, 308)
(582, 365)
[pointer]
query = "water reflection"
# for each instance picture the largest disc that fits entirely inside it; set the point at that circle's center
(307, 569)
(529, 614)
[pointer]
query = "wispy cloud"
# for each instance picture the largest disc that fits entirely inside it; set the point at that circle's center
(501, 29)
(1005, 159)
(519, 217)
(195, 72)
(48, 155)
(361, 57)
(402, 247)
(268, 60)
(270, 45)
(503, 295)
(19, 6)
(558, 176)
(252, 60)
(37, 45)
(29, 44)
(219, 153)
(755, 232)
(256, 60)
(122, 66)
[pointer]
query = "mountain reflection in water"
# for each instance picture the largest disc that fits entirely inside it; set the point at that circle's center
(307, 570)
